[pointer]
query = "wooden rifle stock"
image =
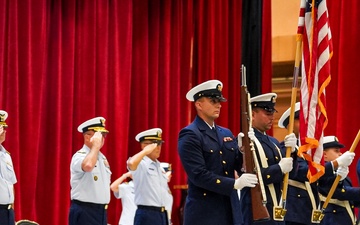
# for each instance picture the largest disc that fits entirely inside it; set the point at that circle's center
(258, 203)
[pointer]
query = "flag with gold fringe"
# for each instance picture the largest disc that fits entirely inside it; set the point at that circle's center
(314, 29)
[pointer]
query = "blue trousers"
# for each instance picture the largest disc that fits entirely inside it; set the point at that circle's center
(82, 213)
(7, 216)
(150, 217)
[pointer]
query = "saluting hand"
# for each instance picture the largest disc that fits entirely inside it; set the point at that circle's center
(2, 138)
(96, 139)
(150, 148)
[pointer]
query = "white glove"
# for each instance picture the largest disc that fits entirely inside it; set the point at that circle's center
(345, 159)
(290, 141)
(246, 180)
(286, 164)
(342, 171)
(251, 134)
(240, 136)
(2, 129)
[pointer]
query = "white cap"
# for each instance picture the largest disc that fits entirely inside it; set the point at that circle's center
(284, 119)
(331, 142)
(264, 101)
(151, 134)
(3, 117)
(95, 124)
(210, 88)
(166, 166)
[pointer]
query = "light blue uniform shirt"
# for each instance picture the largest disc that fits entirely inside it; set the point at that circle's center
(7, 178)
(91, 186)
(150, 183)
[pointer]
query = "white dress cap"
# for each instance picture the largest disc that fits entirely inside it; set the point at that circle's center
(166, 166)
(95, 124)
(210, 88)
(151, 134)
(284, 119)
(264, 101)
(3, 117)
(331, 142)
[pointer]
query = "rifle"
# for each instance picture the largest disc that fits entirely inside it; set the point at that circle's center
(258, 195)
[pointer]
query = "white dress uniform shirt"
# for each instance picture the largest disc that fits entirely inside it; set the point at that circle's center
(91, 186)
(150, 183)
(7, 178)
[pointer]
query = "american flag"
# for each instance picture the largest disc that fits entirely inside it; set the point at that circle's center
(315, 32)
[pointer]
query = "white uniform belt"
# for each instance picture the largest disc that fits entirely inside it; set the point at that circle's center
(341, 203)
(297, 184)
(305, 186)
(333, 201)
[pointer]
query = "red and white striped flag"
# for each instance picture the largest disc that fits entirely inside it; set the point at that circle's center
(317, 50)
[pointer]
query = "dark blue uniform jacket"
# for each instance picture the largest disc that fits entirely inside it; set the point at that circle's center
(209, 159)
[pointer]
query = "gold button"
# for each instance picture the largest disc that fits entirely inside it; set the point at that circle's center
(106, 206)
(95, 178)
(343, 190)
(204, 194)
(267, 176)
(211, 150)
(226, 172)
(220, 152)
(218, 181)
(298, 196)
(232, 149)
(334, 211)
(223, 162)
(276, 157)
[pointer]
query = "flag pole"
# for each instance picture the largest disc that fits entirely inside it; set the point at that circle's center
(337, 179)
(281, 210)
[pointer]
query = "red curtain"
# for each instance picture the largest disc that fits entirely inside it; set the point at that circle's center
(131, 61)
(344, 89)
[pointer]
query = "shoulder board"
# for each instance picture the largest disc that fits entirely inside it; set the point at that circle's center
(81, 152)
(7, 152)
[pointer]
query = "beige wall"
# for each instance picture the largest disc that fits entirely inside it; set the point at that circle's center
(285, 15)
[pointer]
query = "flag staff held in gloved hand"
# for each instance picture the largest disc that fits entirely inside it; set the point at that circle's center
(337, 179)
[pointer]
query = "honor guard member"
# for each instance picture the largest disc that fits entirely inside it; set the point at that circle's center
(340, 210)
(169, 197)
(210, 154)
(90, 177)
(7, 177)
(270, 155)
(150, 180)
(124, 189)
(302, 197)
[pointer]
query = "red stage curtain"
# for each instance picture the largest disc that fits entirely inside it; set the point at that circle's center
(344, 90)
(62, 62)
